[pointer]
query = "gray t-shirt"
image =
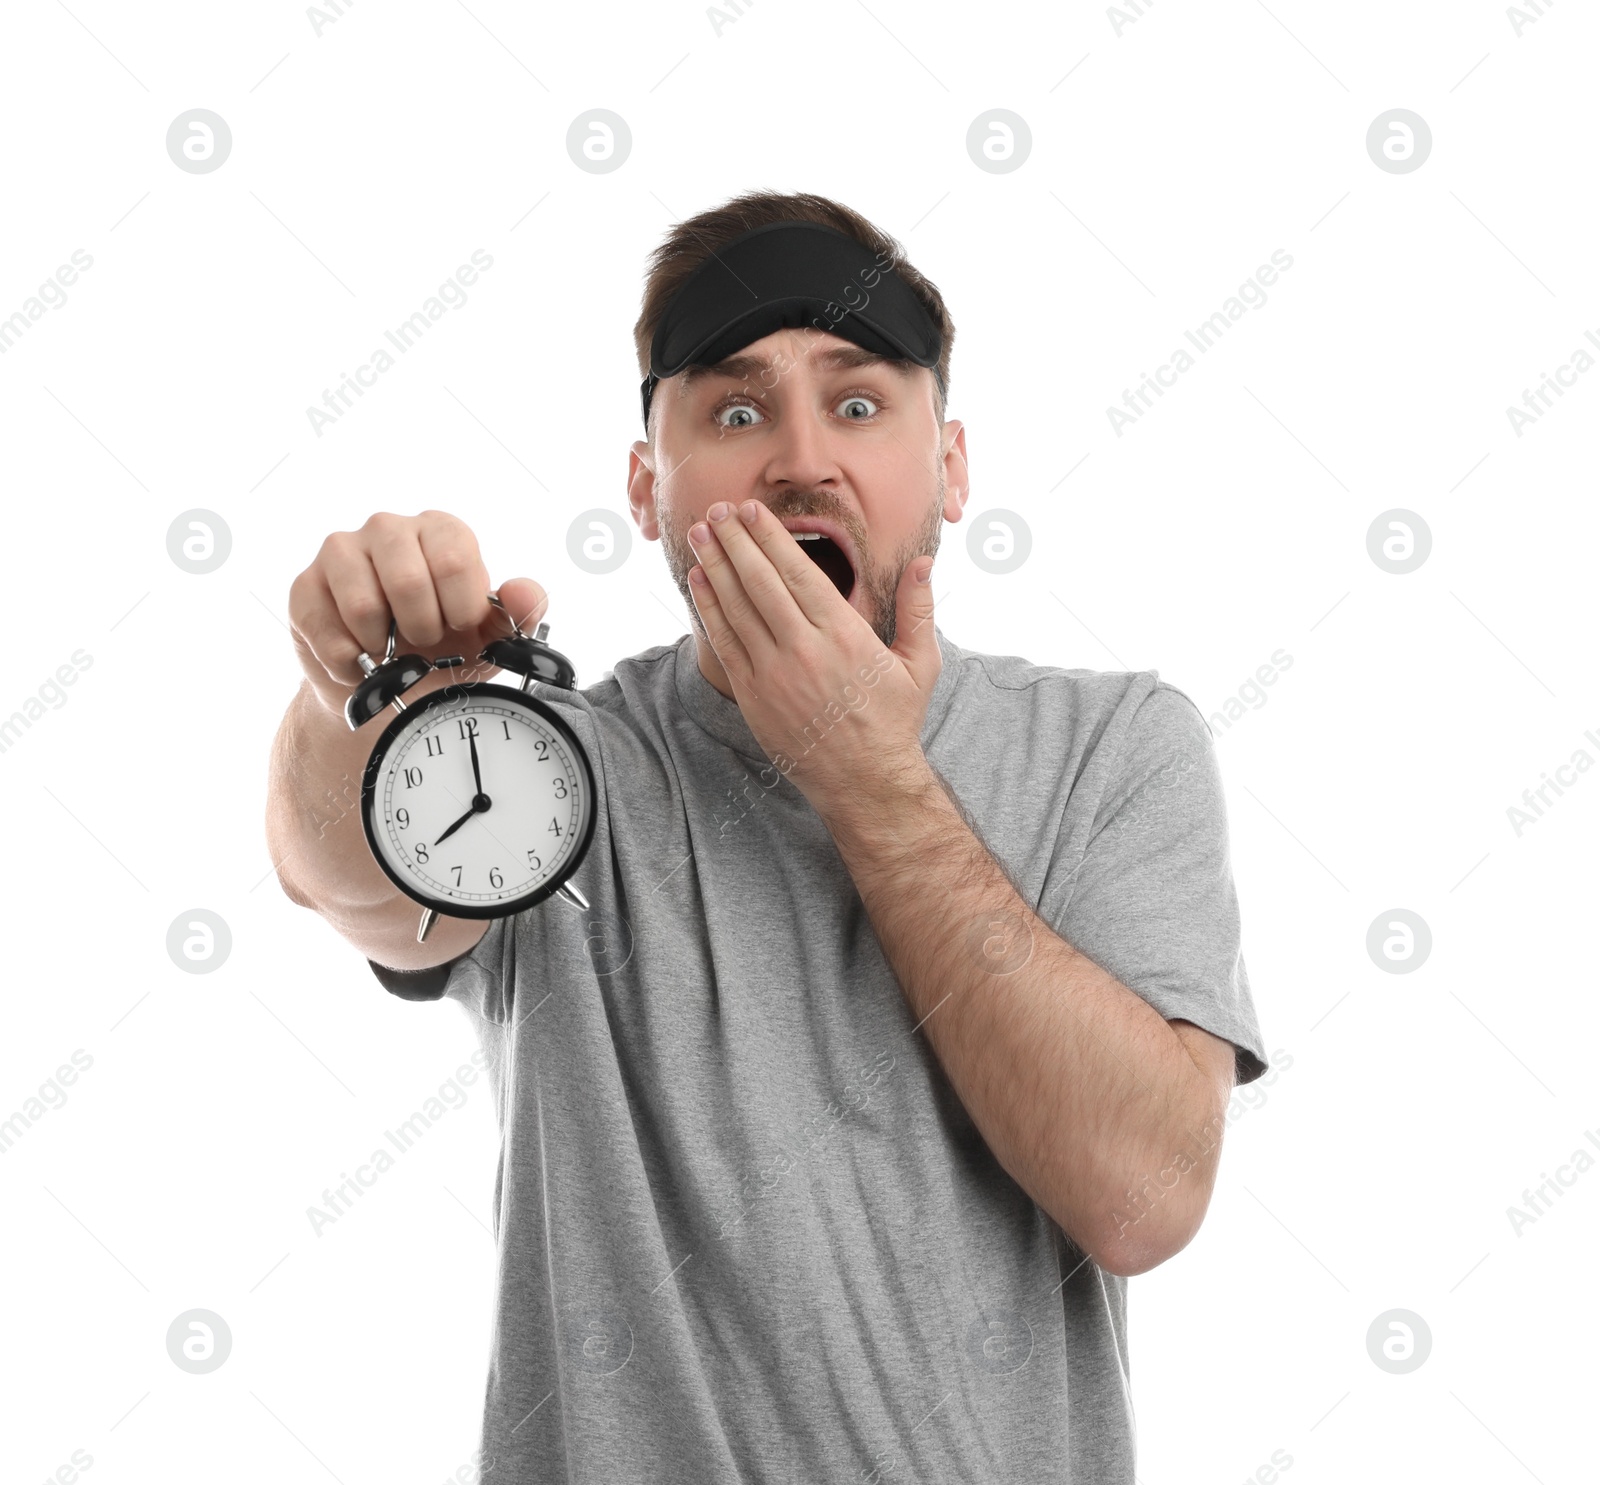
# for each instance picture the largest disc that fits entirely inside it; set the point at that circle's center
(745, 1230)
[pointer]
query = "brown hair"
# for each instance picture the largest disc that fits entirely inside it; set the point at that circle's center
(690, 242)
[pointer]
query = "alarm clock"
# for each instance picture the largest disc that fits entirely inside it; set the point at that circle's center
(478, 800)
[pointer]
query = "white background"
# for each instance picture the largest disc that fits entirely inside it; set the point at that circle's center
(1170, 155)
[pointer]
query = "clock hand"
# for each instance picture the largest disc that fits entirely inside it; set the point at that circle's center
(480, 800)
(459, 823)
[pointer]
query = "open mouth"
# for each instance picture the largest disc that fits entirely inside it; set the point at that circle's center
(825, 552)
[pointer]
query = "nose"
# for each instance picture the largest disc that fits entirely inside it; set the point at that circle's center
(801, 453)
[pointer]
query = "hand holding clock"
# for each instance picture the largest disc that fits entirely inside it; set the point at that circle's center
(426, 571)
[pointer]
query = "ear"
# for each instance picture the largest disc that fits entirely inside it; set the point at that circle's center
(642, 489)
(958, 481)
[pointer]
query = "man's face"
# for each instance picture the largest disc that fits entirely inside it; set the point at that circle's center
(797, 422)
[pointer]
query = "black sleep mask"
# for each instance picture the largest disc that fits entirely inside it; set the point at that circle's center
(789, 274)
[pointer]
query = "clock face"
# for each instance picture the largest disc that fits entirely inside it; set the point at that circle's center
(478, 844)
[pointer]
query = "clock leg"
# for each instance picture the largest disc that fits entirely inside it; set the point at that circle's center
(425, 927)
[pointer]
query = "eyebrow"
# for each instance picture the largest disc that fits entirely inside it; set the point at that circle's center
(750, 368)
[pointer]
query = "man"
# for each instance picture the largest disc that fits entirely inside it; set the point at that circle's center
(900, 1028)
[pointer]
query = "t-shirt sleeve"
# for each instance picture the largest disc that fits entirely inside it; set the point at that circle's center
(1150, 897)
(483, 979)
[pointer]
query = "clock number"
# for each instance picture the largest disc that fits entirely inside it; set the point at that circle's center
(457, 871)
(435, 747)
(422, 850)
(468, 726)
(413, 777)
(555, 826)
(533, 861)
(507, 727)
(541, 745)
(561, 788)
(403, 817)
(495, 879)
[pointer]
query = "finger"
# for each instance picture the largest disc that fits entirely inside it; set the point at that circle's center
(460, 579)
(783, 583)
(743, 617)
(730, 651)
(357, 594)
(525, 601)
(319, 628)
(407, 584)
(762, 584)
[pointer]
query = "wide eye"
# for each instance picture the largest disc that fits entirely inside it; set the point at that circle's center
(854, 404)
(750, 415)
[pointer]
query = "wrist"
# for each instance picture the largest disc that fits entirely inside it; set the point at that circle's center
(876, 807)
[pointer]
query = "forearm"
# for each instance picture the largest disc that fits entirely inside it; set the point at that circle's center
(1079, 1087)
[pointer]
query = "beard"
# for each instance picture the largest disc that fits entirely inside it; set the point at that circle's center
(877, 583)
